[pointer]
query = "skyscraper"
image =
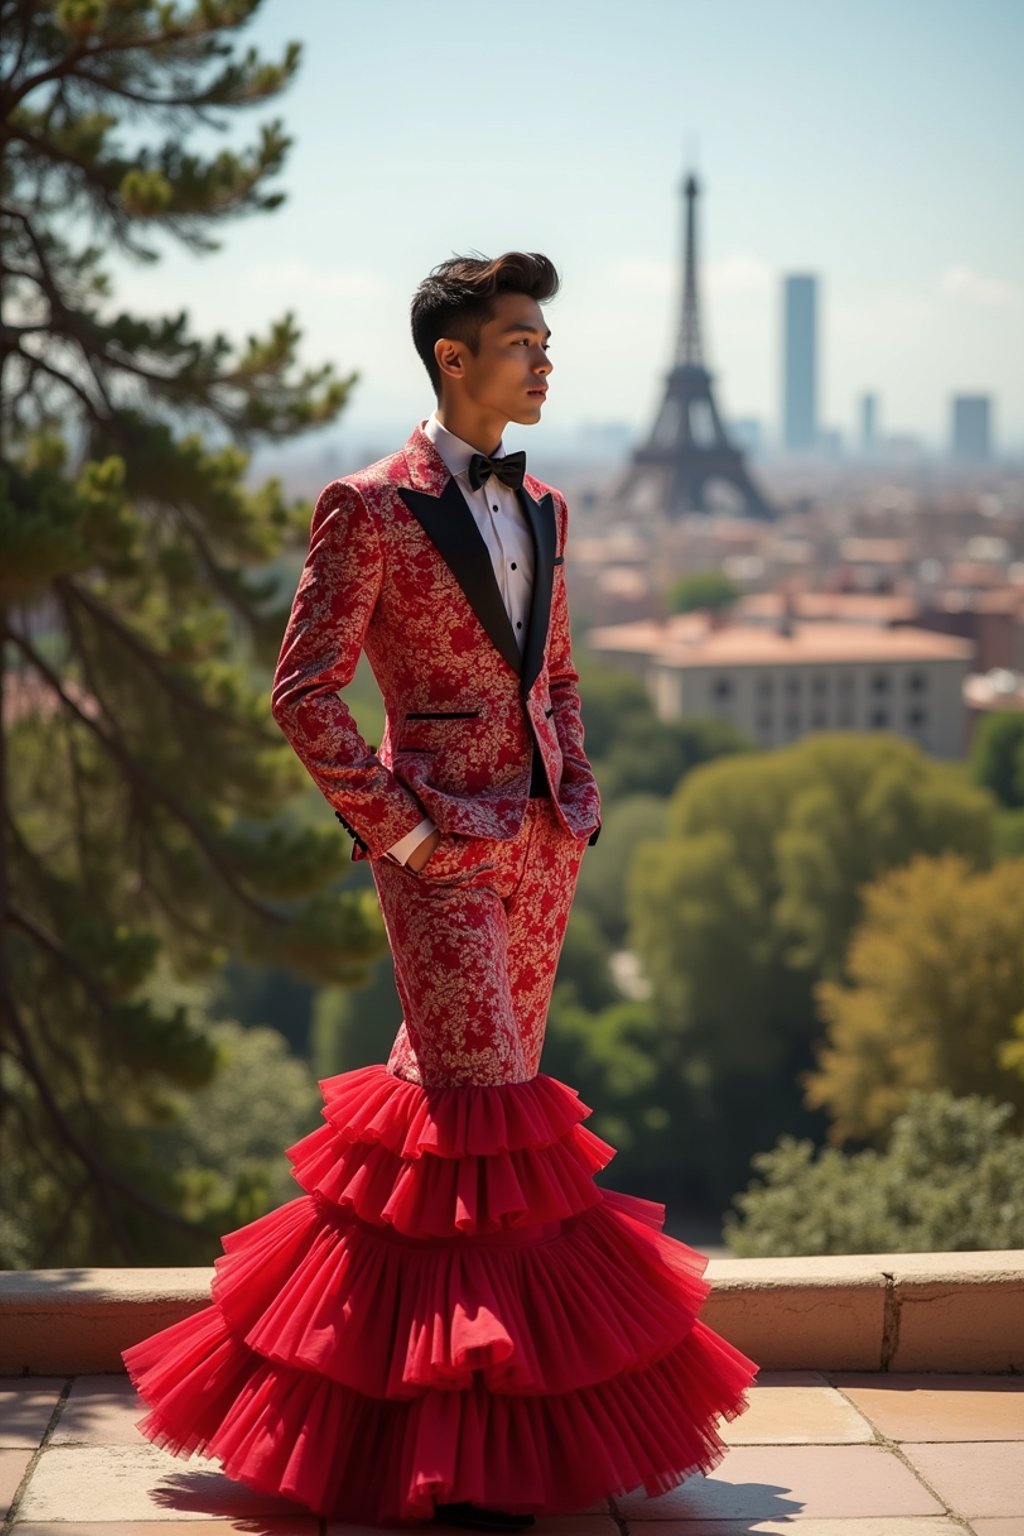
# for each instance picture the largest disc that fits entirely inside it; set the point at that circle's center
(971, 428)
(800, 362)
(868, 424)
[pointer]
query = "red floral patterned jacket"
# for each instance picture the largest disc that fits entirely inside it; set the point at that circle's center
(397, 566)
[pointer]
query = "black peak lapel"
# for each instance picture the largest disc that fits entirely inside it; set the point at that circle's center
(447, 520)
(540, 515)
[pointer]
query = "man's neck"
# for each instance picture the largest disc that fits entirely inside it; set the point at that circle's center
(481, 431)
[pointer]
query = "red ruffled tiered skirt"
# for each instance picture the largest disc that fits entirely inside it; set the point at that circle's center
(452, 1310)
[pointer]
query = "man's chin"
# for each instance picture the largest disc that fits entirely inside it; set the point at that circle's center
(527, 415)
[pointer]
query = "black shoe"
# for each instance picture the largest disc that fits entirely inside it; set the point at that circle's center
(480, 1519)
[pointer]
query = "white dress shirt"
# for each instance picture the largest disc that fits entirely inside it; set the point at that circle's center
(499, 517)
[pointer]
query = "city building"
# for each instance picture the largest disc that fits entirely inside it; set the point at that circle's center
(800, 363)
(777, 685)
(972, 442)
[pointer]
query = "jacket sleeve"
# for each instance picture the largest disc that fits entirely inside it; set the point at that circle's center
(331, 612)
(578, 782)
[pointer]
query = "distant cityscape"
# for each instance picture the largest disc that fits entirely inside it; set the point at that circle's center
(872, 584)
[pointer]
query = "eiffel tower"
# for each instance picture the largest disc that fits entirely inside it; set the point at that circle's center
(687, 449)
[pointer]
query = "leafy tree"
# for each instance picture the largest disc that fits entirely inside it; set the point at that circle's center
(1008, 842)
(354, 1026)
(951, 1180)
(996, 757)
(631, 750)
(936, 971)
(702, 589)
(139, 764)
(601, 888)
(611, 1057)
(227, 1141)
(750, 900)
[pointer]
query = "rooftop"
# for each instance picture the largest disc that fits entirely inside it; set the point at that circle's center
(890, 1402)
(686, 641)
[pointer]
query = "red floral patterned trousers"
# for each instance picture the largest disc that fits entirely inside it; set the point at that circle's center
(475, 937)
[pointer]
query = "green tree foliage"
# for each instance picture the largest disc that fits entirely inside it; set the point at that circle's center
(751, 899)
(631, 750)
(611, 1056)
(354, 1026)
(702, 589)
(951, 1180)
(996, 758)
(139, 765)
(601, 888)
(936, 980)
(226, 1142)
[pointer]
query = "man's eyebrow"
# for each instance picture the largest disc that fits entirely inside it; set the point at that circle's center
(534, 330)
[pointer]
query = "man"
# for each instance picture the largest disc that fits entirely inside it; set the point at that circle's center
(453, 1320)
(446, 562)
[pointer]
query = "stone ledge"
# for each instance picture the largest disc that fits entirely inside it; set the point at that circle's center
(868, 1312)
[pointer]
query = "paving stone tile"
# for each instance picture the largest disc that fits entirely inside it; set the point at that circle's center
(938, 1407)
(783, 1482)
(100, 1410)
(26, 1407)
(122, 1482)
(595, 1520)
(1011, 1525)
(983, 1477)
(796, 1413)
(884, 1525)
(307, 1526)
(546, 1525)
(12, 1470)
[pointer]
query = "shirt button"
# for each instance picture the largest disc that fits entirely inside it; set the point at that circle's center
(494, 506)
(519, 623)
(513, 565)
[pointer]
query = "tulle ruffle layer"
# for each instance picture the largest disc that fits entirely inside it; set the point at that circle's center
(451, 1310)
(279, 1429)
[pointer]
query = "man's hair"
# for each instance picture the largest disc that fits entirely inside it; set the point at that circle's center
(458, 298)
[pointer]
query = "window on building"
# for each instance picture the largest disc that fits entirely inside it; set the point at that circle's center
(917, 682)
(879, 717)
(880, 682)
(722, 688)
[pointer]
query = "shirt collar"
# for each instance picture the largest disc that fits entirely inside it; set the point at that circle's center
(455, 452)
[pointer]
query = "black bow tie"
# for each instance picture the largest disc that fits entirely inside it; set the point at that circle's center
(509, 470)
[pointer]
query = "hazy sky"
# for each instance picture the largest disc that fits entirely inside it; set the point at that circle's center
(876, 143)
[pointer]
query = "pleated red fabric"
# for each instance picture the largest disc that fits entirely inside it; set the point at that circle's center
(453, 1309)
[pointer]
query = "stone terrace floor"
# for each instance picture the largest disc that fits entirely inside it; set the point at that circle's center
(817, 1454)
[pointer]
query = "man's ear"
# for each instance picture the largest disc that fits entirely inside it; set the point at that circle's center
(448, 357)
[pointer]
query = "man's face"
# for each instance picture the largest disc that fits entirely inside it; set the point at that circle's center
(508, 375)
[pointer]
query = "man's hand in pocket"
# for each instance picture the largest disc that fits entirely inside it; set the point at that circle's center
(421, 853)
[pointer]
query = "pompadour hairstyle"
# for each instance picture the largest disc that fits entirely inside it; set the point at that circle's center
(457, 298)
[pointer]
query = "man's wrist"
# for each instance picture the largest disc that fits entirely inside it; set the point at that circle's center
(399, 852)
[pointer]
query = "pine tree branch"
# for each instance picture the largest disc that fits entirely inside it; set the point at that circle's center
(153, 662)
(105, 1179)
(15, 917)
(138, 774)
(60, 1224)
(36, 365)
(194, 29)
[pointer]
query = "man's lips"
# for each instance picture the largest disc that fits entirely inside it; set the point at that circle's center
(536, 391)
